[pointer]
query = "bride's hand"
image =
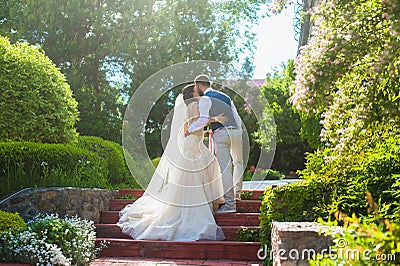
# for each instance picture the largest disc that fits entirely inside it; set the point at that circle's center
(221, 118)
(185, 129)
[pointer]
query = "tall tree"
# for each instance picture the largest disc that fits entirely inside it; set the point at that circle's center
(290, 146)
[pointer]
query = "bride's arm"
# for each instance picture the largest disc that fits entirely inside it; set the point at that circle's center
(195, 114)
(221, 118)
(185, 126)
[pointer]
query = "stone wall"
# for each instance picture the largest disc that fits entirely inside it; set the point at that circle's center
(85, 203)
(293, 243)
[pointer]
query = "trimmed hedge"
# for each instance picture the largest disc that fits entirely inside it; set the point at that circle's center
(92, 162)
(113, 155)
(36, 102)
(32, 164)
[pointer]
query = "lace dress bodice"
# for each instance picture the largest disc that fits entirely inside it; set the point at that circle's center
(192, 113)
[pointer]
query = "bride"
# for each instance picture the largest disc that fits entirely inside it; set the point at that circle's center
(185, 189)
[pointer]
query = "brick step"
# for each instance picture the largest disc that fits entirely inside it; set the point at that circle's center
(124, 261)
(243, 219)
(252, 194)
(246, 194)
(211, 250)
(113, 231)
(130, 191)
(241, 205)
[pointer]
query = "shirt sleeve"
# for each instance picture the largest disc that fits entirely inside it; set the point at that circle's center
(204, 110)
(238, 120)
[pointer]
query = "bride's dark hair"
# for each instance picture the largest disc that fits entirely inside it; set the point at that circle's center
(188, 94)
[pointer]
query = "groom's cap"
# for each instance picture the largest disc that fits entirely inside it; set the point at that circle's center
(202, 78)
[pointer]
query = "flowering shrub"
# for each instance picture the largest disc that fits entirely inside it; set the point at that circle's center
(348, 72)
(49, 240)
(348, 75)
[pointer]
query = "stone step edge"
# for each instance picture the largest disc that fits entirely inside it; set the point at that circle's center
(246, 201)
(244, 219)
(139, 192)
(165, 261)
(229, 250)
(113, 231)
(247, 206)
(200, 242)
(223, 226)
(251, 214)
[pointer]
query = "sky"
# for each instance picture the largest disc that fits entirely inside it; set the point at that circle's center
(276, 43)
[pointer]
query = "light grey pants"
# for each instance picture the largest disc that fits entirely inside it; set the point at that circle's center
(228, 148)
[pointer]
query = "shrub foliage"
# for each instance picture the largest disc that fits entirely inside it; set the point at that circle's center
(11, 222)
(113, 156)
(36, 102)
(32, 164)
(50, 240)
(92, 162)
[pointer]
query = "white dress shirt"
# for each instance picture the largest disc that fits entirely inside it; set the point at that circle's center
(204, 110)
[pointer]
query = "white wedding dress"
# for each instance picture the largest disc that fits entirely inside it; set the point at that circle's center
(185, 189)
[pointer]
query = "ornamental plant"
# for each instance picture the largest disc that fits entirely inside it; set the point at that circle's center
(348, 73)
(365, 241)
(11, 222)
(36, 101)
(50, 240)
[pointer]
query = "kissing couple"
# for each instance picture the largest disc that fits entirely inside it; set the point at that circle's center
(190, 183)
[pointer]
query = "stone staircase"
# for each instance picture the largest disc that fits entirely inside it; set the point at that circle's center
(120, 245)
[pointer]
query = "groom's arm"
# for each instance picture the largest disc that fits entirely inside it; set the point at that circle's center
(204, 110)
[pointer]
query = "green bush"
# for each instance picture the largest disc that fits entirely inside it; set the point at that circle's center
(245, 234)
(11, 222)
(337, 183)
(36, 101)
(49, 240)
(262, 174)
(291, 202)
(113, 155)
(349, 176)
(156, 161)
(373, 239)
(30, 164)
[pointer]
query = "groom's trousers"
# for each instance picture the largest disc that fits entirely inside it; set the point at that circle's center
(228, 145)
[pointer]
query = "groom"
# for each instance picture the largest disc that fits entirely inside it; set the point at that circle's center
(227, 138)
